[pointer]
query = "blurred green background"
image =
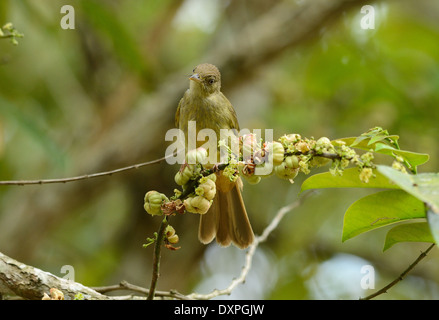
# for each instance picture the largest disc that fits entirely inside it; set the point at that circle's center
(102, 96)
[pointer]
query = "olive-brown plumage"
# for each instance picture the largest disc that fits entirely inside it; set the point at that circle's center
(204, 103)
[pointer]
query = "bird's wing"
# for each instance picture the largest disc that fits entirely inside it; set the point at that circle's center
(177, 114)
(233, 121)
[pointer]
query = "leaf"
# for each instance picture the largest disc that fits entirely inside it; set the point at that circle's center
(433, 222)
(414, 159)
(366, 143)
(408, 232)
(376, 139)
(367, 140)
(380, 209)
(379, 140)
(424, 186)
(349, 179)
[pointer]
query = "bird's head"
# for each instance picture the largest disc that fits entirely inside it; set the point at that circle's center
(205, 79)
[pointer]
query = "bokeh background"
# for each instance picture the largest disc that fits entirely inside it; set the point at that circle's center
(103, 95)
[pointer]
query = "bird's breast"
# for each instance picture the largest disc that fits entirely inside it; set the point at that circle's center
(207, 113)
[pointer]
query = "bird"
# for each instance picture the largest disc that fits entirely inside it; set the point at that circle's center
(203, 102)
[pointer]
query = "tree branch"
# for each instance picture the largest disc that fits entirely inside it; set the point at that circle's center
(31, 283)
(400, 277)
(156, 258)
(85, 176)
(124, 285)
(251, 251)
(138, 133)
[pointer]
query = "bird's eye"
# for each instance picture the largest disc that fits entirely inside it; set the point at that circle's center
(211, 81)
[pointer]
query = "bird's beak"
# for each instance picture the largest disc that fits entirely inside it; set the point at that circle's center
(195, 77)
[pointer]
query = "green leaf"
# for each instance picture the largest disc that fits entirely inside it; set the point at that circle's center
(408, 232)
(433, 222)
(379, 140)
(349, 179)
(414, 159)
(380, 209)
(368, 139)
(367, 144)
(424, 186)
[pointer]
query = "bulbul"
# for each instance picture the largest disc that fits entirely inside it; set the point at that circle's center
(204, 103)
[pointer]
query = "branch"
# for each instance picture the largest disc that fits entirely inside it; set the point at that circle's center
(124, 285)
(28, 282)
(250, 253)
(134, 135)
(85, 176)
(156, 259)
(31, 283)
(400, 277)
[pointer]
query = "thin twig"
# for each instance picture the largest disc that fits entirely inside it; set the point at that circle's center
(124, 285)
(401, 276)
(175, 294)
(156, 258)
(250, 253)
(85, 176)
(111, 172)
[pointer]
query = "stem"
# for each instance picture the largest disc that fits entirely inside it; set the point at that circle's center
(401, 276)
(83, 177)
(156, 258)
(251, 252)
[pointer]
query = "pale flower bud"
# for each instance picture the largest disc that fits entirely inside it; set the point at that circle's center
(284, 172)
(195, 156)
(252, 179)
(302, 146)
(173, 239)
(182, 177)
(153, 202)
(197, 204)
(208, 189)
(278, 152)
(292, 162)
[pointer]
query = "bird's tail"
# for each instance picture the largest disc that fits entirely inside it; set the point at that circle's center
(227, 218)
